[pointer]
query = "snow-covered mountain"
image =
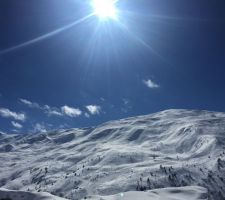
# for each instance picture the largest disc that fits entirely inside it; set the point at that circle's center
(173, 148)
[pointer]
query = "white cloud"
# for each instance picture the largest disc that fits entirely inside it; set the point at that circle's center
(6, 113)
(63, 111)
(52, 111)
(46, 108)
(39, 128)
(70, 111)
(149, 83)
(86, 115)
(30, 104)
(93, 109)
(17, 125)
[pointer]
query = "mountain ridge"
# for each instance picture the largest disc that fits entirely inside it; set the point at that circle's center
(171, 148)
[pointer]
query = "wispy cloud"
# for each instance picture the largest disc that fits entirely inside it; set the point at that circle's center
(62, 111)
(46, 108)
(52, 111)
(39, 128)
(16, 125)
(70, 111)
(125, 101)
(93, 109)
(149, 83)
(86, 115)
(30, 104)
(6, 113)
(126, 105)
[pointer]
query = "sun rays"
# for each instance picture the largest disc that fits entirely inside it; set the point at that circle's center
(105, 10)
(46, 36)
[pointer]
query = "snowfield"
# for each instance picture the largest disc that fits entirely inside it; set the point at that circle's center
(179, 193)
(121, 159)
(21, 195)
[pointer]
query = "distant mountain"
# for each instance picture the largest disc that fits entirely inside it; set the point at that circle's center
(173, 148)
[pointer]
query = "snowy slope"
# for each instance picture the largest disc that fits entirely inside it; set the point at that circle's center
(167, 149)
(179, 193)
(21, 195)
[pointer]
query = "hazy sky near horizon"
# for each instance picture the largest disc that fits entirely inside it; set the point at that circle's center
(61, 68)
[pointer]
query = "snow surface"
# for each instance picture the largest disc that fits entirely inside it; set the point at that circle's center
(178, 193)
(21, 195)
(173, 148)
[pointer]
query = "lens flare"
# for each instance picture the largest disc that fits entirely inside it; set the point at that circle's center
(105, 9)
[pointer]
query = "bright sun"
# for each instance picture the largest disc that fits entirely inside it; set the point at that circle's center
(104, 9)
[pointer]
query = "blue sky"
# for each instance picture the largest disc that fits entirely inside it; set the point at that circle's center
(57, 73)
